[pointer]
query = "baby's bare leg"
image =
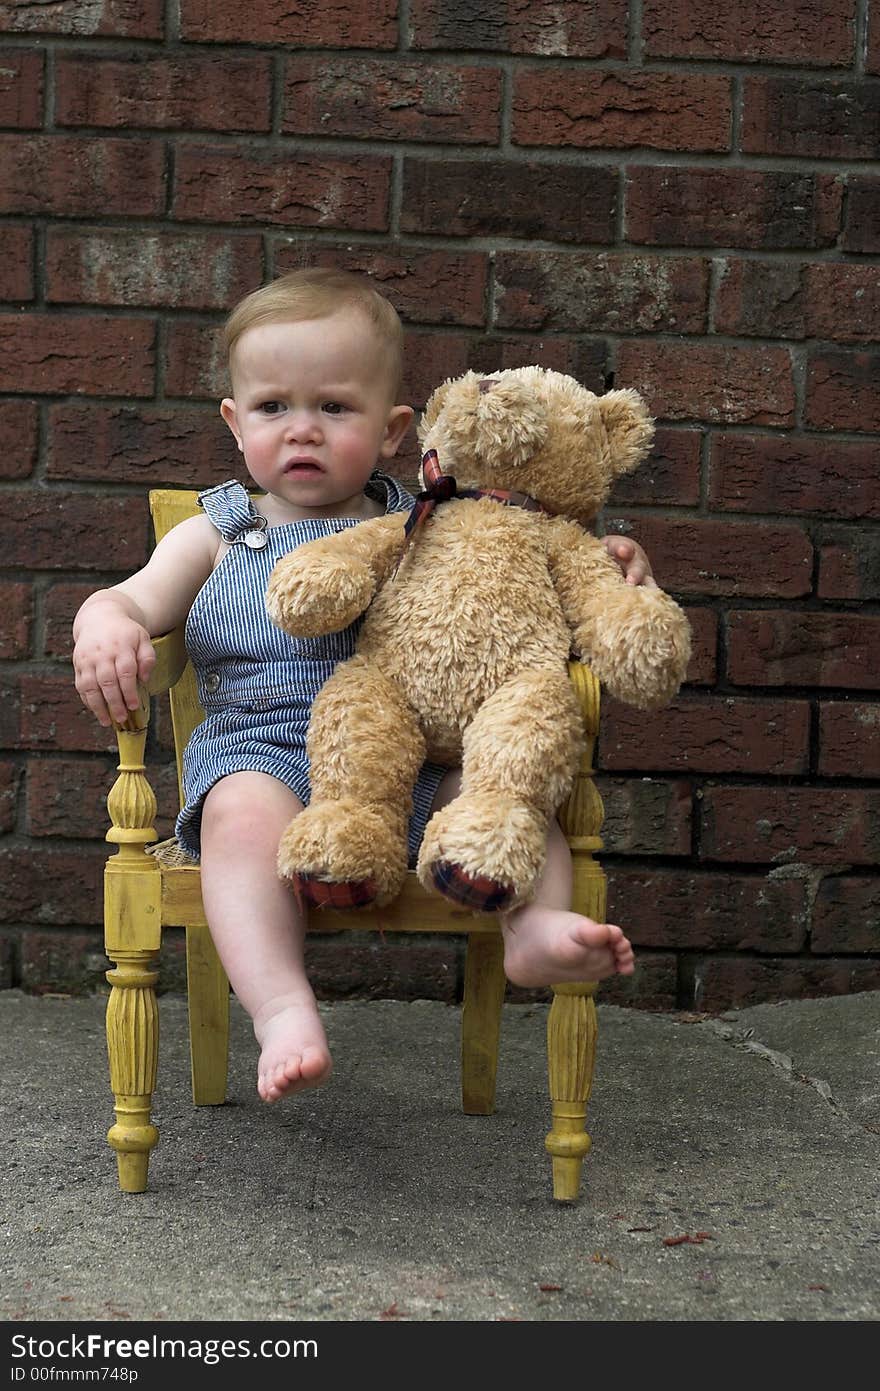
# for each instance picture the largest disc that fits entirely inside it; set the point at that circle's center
(546, 944)
(259, 929)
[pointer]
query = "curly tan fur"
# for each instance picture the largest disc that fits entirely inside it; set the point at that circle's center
(462, 654)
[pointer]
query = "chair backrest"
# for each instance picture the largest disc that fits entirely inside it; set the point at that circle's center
(168, 506)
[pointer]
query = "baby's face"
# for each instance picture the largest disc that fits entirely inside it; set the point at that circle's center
(312, 412)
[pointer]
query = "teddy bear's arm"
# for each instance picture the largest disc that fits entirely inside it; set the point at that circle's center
(636, 639)
(325, 584)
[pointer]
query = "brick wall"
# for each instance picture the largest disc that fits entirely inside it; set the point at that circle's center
(676, 195)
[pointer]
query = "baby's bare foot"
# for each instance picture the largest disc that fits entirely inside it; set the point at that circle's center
(546, 946)
(294, 1053)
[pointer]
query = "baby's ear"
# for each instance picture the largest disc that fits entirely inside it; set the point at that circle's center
(227, 410)
(629, 428)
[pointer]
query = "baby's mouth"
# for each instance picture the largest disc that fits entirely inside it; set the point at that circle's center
(303, 466)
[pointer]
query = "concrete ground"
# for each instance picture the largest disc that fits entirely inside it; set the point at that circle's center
(755, 1135)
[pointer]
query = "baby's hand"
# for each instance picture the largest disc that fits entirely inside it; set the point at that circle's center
(633, 561)
(112, 653)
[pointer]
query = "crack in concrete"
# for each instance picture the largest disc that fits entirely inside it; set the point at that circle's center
(744, 1039)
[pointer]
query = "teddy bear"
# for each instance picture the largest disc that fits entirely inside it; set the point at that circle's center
(474, 603)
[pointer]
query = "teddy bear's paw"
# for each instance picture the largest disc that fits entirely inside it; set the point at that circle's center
(642, 647)
(476, 892)
(320, 894)
(342, 854)
(312, 595)
(485, 851)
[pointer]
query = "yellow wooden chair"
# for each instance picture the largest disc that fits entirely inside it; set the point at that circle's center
(145, 891)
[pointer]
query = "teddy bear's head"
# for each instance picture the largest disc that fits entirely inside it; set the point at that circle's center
(531, 430)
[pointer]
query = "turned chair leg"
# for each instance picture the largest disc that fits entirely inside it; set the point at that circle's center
(208, 1004)
(571, 1055)
(484, 985)
(132, 937)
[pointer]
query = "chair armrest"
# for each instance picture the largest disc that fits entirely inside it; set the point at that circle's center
(171, 660)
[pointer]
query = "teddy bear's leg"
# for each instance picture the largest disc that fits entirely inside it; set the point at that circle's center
(486, 848)
(348, 848)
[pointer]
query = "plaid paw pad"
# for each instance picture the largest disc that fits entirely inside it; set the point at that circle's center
(476, 892)
(359, 894)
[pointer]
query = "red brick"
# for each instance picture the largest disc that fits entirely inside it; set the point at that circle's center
(21, 87)
(714, 382)
(787, 473)
(653, 986)
(195, 363)
(59, 608)
(646, 816)
(708, 734)
(16, 619)
(285, 187)
(567, 29)
(771, 299)
(346, 24)
(696, 556)
(775, 648)
(377, 969)
(43, 885)
(81, 176)
(54, 529)
(10, 712)
(810, 118)
(621, 109)
(385, 99)
(861, 230)
(17, 265)
(109, 19)
(66, 962)
(425, 286)
(53, 717)
(90, 355)
(192, 91)
(10, 776)
(849, 739)
(711, 911)
(756, 209)
(725, 982)
(669, 477)
(432, 357)
(816, 33)
(19, 432)
(872, 55)
(702, 667)
(775, 825)
(842, 390)
(849, 564)
(846, 914)
(156, 446)
(600, 292)
(182, 271)
(497, 198)
(68, 796)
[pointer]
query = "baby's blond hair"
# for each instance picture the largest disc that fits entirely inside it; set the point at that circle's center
(315, 292)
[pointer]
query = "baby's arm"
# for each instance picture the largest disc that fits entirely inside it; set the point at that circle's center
(112, 629)
(632, 559)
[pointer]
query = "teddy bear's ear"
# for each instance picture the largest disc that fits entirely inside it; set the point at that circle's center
(434, 404)
(629, 427)
(496, 419)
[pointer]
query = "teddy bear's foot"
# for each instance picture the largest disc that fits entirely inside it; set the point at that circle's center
(343, 855)
(484, 851)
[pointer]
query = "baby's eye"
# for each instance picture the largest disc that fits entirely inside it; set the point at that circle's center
(333, 407)
(270, 407)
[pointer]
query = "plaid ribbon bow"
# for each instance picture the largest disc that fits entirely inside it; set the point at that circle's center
(440, 487)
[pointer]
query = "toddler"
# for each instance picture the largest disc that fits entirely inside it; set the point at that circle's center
(315, 363)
